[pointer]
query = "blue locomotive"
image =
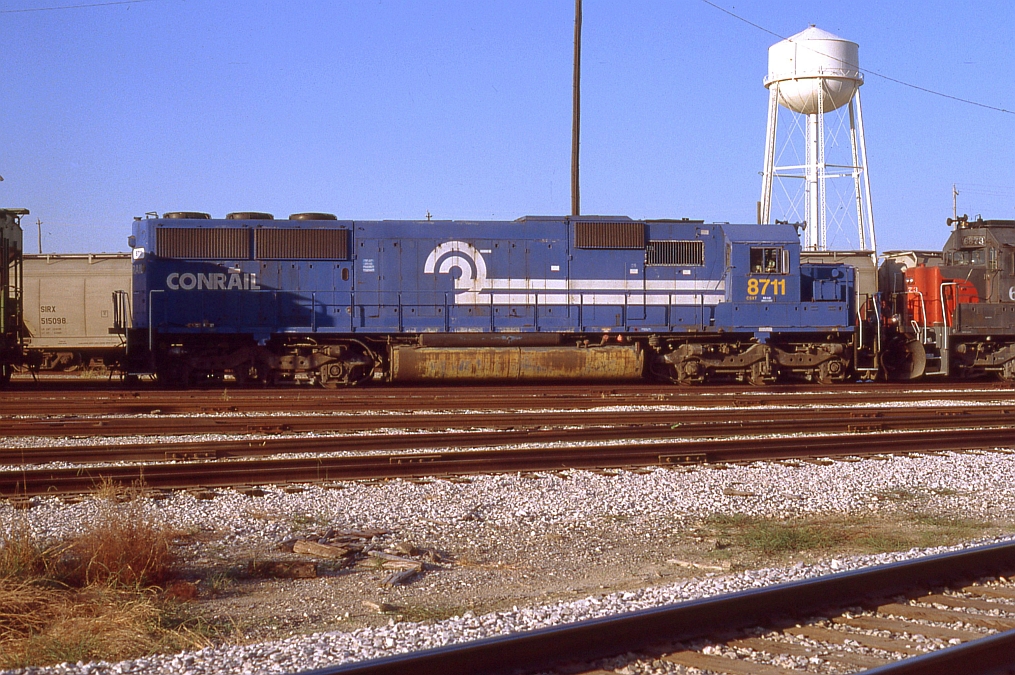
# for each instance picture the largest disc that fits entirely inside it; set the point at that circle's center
(335, 302)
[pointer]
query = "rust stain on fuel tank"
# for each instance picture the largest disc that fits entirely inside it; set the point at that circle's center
(410, 364)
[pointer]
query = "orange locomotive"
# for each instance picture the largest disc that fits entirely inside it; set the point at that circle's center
(952, 313)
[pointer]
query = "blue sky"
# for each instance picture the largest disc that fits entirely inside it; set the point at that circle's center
(385, 109)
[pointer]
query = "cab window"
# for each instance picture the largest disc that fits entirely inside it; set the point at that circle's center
(768, 260)
(974, 257)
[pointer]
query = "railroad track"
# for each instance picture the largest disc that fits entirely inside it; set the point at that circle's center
(699, 421)
(357, 400)
(893, 619)
(499, 430)
(26, 481)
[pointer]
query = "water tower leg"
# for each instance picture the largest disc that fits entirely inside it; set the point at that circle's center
(767, 175)
(821, 171)
(857, 170)
(811, 190)
(872, 240)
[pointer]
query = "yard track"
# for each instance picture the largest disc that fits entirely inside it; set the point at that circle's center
(382, 433)
(29, 481)
(26, 400)
(694, 422)
(907, 609)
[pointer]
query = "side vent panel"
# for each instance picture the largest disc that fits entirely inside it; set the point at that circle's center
(203, 243)
(676, 253)
(288, 244)
(626, 234)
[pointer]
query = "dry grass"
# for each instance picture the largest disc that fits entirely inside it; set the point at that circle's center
(100, 595)
(124, 549)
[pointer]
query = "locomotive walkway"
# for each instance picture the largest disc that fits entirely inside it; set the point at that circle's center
(890, 620)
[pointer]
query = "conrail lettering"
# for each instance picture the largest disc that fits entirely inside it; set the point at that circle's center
(214, 281)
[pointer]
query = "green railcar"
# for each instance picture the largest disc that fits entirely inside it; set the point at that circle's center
(11, 278)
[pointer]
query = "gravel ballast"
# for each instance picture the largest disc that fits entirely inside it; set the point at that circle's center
(505, 521)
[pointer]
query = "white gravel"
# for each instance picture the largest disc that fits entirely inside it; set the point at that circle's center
(973, 485)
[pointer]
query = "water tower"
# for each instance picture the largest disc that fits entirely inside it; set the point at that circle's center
(813, 73)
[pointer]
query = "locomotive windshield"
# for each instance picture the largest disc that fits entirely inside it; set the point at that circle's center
(974, 257)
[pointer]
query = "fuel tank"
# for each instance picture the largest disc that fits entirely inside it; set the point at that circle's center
(416, 364)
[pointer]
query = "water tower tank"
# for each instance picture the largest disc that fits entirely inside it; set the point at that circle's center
(808, 61)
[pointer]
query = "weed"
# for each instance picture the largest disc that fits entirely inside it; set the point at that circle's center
(417, 614)
(20, 554)
(303, 520)
(125, 548)
(896, 495)
(769, 537)
(772, 537)
(95, 596)
(220, 582)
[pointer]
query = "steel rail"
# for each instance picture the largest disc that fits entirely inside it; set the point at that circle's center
(991, 655)
(673, 430)
(653, 630)
(459, 398)
(738, 420)
(179, 475)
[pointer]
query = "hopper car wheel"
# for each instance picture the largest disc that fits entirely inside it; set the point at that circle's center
(176, 376)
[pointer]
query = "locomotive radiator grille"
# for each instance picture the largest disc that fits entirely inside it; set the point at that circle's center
(285, 244)
(676, 253)
(203, 243)
(627, 234)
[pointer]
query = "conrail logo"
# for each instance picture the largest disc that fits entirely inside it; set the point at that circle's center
(215, 281)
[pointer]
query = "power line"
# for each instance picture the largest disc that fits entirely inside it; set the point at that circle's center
(867, 70)
(94, 4)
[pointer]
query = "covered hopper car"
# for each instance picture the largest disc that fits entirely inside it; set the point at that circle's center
(76, 311)
(336, 302)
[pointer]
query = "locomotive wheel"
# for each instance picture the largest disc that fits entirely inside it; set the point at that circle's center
(757, 375)
(904, 359)
(832, 371)
(691, 371)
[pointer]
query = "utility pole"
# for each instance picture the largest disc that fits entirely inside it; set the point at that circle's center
(38, 223)
(955, 202)
(576, 108)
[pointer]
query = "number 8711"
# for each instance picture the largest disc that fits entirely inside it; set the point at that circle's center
(766, 286)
